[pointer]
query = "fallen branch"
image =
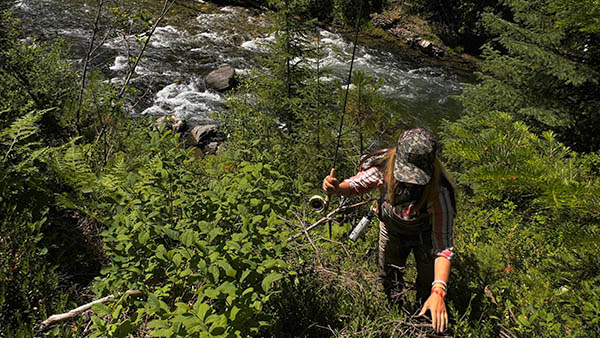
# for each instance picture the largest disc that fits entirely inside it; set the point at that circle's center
(58, 318)
(326, 218)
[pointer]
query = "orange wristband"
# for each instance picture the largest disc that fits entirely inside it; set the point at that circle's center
(438, 292)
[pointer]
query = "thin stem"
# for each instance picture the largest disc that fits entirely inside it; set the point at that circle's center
(85, 67)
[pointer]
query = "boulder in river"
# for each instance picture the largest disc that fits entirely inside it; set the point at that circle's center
(222, 78)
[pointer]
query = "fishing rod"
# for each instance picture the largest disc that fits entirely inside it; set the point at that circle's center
(318, 203)
(318, 198)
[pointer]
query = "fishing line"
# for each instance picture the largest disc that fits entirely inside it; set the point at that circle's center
(339, 136)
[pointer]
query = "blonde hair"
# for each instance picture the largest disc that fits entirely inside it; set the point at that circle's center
(432, 188)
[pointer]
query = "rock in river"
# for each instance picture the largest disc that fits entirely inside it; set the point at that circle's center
(221, 79)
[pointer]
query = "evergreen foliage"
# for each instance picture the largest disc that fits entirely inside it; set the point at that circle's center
(282, 107)
(530, 217)
(543, 71)
(527, 229)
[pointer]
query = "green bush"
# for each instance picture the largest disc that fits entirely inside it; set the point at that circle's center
(202, 241)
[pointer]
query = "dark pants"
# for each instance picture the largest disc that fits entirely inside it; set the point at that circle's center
(394, 248)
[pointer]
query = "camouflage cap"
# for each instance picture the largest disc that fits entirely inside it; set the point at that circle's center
(415, 155)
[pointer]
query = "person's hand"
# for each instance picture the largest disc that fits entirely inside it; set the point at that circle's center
(330, 183)
(436, 306)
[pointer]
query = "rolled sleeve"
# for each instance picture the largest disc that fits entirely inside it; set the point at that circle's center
(366, 180)
(442, 214)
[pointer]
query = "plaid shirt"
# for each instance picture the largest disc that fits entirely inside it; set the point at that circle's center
(441, 212)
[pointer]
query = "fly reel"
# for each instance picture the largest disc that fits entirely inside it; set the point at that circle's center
(317, 203)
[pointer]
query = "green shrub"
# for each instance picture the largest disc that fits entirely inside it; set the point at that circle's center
(202, 241)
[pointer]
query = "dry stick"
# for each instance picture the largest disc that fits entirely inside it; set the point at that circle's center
(342, 278)
(336, 242)
(166, 7)
(314, 247)
(318, 256)
(54, 319)
(85, 65)
(326, 218)
(314, 225)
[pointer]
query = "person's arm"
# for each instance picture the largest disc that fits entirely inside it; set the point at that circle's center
(362, 182)
(436, 301)
(442, 220)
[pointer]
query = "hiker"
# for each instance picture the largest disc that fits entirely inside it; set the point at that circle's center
(416, 212)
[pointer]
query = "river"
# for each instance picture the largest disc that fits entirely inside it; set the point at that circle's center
(198, 37)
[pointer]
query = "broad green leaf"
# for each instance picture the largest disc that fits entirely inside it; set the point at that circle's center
(227, 288)
(177, 259)
(143, 237)
(173, 234)
(188, 237)
(203, 310)
(214, 271)
(270, 279)
(153, 301)
(161, 252)
(234, 245)
(101, 309)
(212, 293)
(233, 312)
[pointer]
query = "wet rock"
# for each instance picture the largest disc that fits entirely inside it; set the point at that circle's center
(221, 79)
(204, 135)
(176, 124)
(207, 60)
(430, 48)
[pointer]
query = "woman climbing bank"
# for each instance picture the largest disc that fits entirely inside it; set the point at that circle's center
(416, 212)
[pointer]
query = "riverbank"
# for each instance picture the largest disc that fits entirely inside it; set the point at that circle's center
(399, 32)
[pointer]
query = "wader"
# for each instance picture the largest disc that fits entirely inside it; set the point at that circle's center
(397, 239)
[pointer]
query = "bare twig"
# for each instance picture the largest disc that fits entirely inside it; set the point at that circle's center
(146, 92)
(327, 218)
(85, 65)
(318, 256)
(58, 318)
(166, 7)
(336, 242)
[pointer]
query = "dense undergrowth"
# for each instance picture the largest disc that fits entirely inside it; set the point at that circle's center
(109, 204)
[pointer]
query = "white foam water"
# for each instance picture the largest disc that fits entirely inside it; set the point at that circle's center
(177, 58)
(258, 44)
(120, 63)
(164, 37)
(186, 101)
